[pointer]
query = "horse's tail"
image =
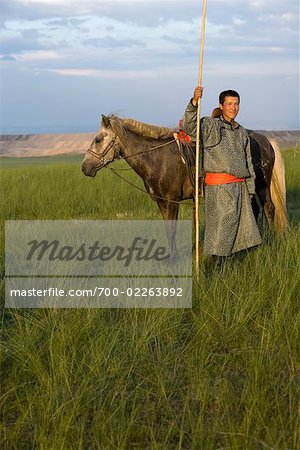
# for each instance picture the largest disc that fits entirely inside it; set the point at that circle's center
(278, 191)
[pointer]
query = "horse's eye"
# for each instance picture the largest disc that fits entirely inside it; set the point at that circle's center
(97, 139)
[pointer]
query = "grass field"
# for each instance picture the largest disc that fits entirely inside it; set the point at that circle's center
(222, 375)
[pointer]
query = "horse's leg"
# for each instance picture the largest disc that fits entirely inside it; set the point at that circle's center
(269, 208)
(169, 211)
(255, 207)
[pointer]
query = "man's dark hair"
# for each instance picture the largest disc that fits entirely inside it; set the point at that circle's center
(228, 93)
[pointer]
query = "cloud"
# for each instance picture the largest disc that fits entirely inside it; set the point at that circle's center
(69, 22)
(256, 49)
(145, 44)
(262, 69)
(238, 20)
(141, 12)
(289, 17)
(107, 74)
(110, 42)
(18, 44)
(85, 38)
(280, 19)
(257, 4)
(44, 2)
(38, 55)
(7, 58)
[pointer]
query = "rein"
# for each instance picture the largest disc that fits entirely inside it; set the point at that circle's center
(111, 144)
(115, 172)
(150, 149)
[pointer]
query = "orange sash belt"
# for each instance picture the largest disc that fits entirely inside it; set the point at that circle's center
(221, 178)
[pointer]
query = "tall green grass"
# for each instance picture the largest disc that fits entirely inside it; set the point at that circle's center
(222, 375)
(61, 191)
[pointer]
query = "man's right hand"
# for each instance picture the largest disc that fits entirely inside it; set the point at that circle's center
(197, 94)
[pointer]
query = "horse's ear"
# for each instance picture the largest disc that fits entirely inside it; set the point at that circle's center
(105, 121)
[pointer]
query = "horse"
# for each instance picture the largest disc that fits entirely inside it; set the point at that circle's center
(152, 152)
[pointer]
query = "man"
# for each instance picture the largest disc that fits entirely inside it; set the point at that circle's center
(229, 177)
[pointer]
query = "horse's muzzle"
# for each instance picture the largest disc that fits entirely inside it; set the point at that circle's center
(88, 169)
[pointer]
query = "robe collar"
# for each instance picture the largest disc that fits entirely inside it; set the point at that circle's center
(233, 126)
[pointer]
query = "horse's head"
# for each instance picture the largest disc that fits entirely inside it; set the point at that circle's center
(104, 149)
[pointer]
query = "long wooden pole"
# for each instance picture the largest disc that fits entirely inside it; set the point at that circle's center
(197, 215)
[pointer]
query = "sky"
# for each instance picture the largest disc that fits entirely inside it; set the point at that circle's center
(63, 63)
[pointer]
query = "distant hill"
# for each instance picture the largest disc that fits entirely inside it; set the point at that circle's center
(44, 144)
(23, 145)
(285, 139)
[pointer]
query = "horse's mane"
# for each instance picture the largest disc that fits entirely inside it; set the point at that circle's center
(141, 128)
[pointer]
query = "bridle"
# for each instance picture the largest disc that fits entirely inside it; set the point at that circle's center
(101, 157)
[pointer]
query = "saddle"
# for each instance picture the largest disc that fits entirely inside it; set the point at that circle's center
(187, 152)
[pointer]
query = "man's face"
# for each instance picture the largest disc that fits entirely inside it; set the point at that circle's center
(230, 108)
